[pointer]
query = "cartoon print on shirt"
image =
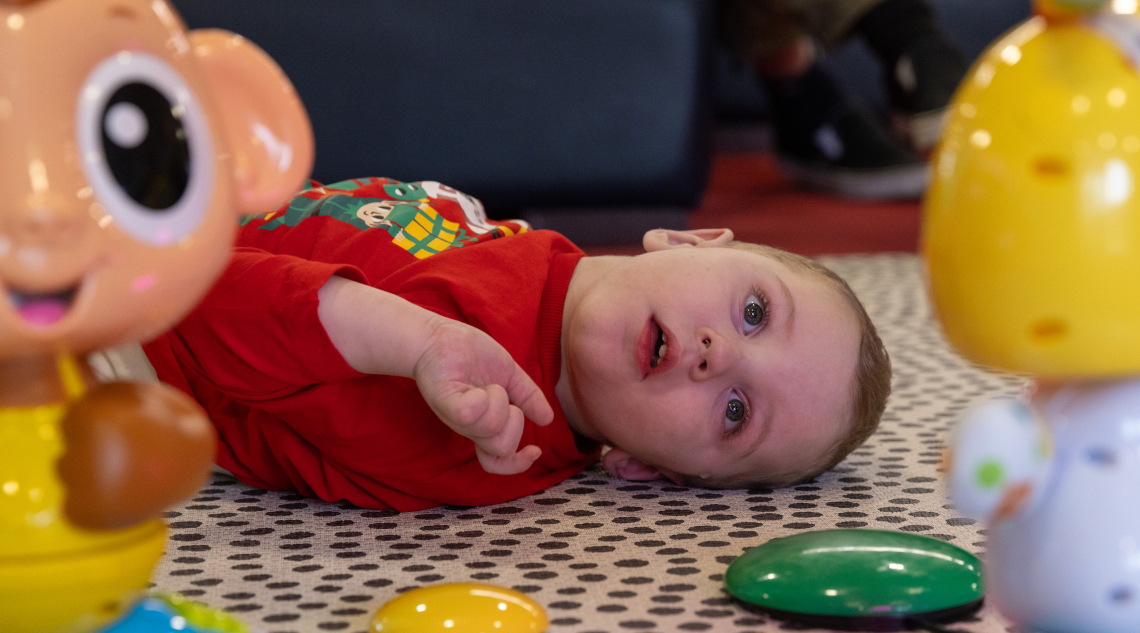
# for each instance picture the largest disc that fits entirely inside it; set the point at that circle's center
(472, 209)
(350, 185)
(428, 233)
(417, 228)
(386, 214)
(316, 203)
(406, 191)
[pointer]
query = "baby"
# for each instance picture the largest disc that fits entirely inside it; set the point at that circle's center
(450, 359)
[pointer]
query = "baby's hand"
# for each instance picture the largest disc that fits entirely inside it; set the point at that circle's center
(467, 378)
(470, 382)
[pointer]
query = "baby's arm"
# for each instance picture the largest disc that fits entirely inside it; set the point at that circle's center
(467, 378)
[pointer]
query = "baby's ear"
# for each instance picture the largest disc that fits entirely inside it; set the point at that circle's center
(664, 239)
(625, 466)
(263, 120)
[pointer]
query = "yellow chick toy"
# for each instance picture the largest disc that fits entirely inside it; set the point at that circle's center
(127, 153)
(1032, 242)
(1032, 230)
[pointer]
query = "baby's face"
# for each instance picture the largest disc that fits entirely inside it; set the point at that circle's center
(754, 377)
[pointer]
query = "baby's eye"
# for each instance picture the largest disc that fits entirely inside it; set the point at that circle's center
(754, 313)
(733, 413)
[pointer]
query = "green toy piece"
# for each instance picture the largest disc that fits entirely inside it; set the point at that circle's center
(873, 580)
(202, 616)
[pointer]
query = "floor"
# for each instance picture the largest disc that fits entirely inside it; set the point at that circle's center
(747, 193)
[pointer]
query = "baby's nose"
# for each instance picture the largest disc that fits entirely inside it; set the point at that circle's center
(715, 355)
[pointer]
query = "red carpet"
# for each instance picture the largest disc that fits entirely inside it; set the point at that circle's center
(748, 194)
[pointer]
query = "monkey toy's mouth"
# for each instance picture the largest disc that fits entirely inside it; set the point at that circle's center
(42, 309)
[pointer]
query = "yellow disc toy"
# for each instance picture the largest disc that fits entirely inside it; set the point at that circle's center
(460, 608)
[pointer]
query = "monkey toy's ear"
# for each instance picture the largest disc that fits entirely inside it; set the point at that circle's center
(263, 120)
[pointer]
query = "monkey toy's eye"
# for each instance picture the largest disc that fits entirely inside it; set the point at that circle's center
(146, 147)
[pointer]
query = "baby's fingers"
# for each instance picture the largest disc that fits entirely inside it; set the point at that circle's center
(529, 398)
(468, 412)
(500, 429)
(487, 417)
(508, 465)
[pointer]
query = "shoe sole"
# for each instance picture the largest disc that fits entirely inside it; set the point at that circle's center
(922, 130)
(892, 183)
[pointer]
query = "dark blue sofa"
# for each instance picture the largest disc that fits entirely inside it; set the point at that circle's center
(523, 103)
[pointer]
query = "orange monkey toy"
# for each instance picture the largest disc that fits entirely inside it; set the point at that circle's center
(128, 149)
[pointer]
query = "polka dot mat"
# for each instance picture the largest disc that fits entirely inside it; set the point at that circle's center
(601, 554)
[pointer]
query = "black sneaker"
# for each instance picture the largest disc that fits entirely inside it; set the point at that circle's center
(920, 87)
(922, 64)
(852, 155)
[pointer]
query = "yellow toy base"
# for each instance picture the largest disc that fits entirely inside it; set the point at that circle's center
(77, 593)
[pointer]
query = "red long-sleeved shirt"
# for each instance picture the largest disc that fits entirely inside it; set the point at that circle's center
(290, 412)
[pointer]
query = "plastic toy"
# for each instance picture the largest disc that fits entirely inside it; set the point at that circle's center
(128, 148)
(460, 608)
(174, 614)
(1032, 240)
(1031, 218)
(866, 580)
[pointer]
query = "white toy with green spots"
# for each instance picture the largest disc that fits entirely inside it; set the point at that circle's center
(1059, 483)
(1002, 454)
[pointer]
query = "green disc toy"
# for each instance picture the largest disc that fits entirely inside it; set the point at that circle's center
(859, 580)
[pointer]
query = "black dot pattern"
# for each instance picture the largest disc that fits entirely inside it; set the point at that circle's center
(600, 554)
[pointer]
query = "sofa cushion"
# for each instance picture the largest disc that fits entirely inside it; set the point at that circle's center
(520, 103)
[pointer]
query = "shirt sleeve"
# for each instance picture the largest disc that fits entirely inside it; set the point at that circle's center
(257, 334)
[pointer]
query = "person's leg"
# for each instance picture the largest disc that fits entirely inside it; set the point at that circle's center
(822, 138)
(757, 29)
(827, 141)
(830, 22)
(787, 62)
(923, 64)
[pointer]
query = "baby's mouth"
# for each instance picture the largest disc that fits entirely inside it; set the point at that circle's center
(660, 348)
(42, 309)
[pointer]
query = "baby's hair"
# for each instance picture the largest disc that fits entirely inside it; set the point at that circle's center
(871, 385)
